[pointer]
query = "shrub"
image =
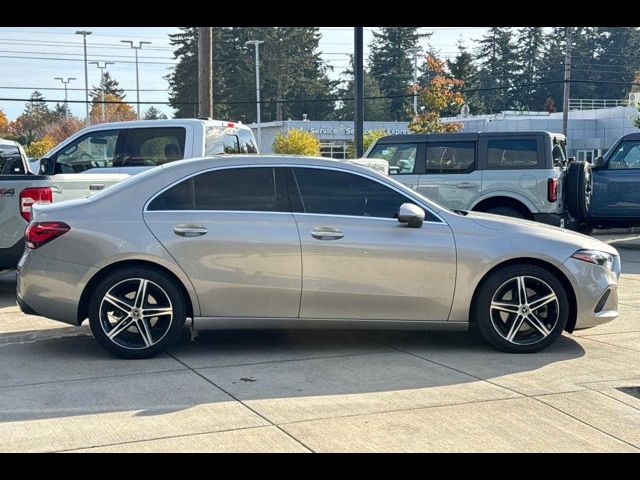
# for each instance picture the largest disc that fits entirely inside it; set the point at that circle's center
(297, 142)
(38, 148)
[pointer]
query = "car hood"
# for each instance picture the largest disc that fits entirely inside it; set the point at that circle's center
(510, 225)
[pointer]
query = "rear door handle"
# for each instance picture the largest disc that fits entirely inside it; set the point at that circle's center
(189, 230)
(326, 233)
(465, 185)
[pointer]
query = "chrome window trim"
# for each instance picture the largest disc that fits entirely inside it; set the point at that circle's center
(275, 165)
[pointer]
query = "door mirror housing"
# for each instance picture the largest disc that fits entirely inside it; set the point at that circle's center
(598, 162)
(411, 214)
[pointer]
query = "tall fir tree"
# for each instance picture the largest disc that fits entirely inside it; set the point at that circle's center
(109, 85)
(529, 43)
(391, 65)
(463, 68)
(183, 80)
(618, 60)
(497, 62)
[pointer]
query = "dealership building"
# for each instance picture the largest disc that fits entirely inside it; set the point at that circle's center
(591, 130)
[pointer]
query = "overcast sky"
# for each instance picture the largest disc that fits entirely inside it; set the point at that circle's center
(30, 58)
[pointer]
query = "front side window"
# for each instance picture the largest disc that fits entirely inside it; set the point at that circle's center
(153, 146)
(401, 156)
(246, 189)
(626, 156)
(451, 157)
(331, 192)
(94, 150)
(513, 153)
(11, 162)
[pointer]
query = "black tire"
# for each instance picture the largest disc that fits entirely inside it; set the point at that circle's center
(506, 211)
(578, 187)
(161, 294)
(495, 325)
(585, 229)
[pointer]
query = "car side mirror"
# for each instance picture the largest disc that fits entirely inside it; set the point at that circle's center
(598, 162)
(411, 214)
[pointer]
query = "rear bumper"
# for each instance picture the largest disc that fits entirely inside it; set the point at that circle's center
(555, 219)
(10, 256)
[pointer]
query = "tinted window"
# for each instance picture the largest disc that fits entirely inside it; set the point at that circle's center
(94, 150)
(11, 161)
(229, 140)
(513, 153)
(626, 156)
(231, 144)
(250, 189)
(451, 157)
(401, 156)
(153, 146)
(247, 142)
(339, 193)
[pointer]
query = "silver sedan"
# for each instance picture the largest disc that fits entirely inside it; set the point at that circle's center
(280, 242)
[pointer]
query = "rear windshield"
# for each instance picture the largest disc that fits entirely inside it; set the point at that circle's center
(11, 161)
(229, 140)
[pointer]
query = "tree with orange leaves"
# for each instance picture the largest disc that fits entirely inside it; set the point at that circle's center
(440, 93)
(116, 110)
(4, 122)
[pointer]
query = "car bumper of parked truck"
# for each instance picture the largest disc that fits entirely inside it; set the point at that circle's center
(555, 219)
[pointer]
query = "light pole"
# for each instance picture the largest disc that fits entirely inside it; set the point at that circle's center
(256, 44)
(102, 69)
(130, 42)
(84, 34)
(415, 53)
(66, 105)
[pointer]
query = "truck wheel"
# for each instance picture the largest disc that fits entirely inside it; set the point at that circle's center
(578, 189)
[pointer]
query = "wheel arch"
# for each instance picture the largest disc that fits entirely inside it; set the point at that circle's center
(504, 200)
(560, 275)
(83, 304)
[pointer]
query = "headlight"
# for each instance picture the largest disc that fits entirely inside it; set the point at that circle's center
(596, 257)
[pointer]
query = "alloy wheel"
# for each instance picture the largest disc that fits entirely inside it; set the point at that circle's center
(524, 310)
(136, 313)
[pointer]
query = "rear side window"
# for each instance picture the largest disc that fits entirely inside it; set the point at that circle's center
(451, 157)
(11, 161)
(153, 146)
(331, 192)
(247, 189)
(401, 156)
(229, 140)
(513, 153)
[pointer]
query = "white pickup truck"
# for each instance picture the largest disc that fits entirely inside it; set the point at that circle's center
(101, 155)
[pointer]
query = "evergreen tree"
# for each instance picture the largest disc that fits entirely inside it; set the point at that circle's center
(530, 42)
(375, 110)
(60, 111)
(35, 116)
(618, 60)
(496, 58)
(109, 86)
(391, 65)
(183, 81)
(463, 68)
(153, 113)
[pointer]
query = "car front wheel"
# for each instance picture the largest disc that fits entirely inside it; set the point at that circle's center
(521, 309)
(137, 312)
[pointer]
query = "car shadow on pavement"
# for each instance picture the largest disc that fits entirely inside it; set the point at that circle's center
(72, 376)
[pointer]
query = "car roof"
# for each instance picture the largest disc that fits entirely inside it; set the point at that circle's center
(167, 123)
(631, 136)
(9, 142)
(457, 136)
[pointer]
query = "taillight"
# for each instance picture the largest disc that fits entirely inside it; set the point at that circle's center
(29, 196)
(552, 189)
(39, 233)
(231, 124)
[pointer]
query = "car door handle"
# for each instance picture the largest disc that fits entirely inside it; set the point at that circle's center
(326, 233)
(465, 185)
(96, 186)
(189, 230)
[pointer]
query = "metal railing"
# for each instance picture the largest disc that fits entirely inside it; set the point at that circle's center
(596, 103)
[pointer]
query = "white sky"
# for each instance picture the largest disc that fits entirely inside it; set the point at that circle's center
(57, 52)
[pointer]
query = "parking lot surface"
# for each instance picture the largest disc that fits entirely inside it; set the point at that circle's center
(323, 391)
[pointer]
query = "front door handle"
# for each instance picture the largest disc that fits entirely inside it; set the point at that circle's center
(326, 233)
(96, 186)
(189, 230)
(465, 185)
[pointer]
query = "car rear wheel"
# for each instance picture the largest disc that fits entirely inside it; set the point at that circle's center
(521, 309)
(137, 312)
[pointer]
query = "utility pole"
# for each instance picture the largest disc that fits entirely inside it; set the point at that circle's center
(84, 34)
(66, 104)
(567, 82)
(415, 53)
(358, 90)
(130, 42)
(205, 72)
(102, 69)
(256, 44)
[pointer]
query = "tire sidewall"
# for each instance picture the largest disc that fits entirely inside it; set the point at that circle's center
(485, 295)
(169, 286)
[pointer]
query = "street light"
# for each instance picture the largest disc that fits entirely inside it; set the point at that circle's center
(66, 105)
(130, 42)
(415, 52)
(102, 69)
(84, 34)
(256, 44)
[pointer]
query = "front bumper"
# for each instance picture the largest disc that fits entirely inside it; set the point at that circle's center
(596, 290)
(50, 288)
